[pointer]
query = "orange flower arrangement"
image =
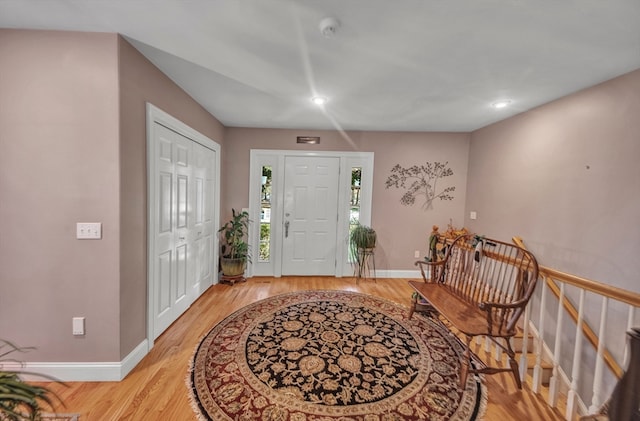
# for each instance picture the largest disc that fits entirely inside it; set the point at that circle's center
(453, 232)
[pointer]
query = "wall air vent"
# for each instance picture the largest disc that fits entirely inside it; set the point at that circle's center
(311, 140)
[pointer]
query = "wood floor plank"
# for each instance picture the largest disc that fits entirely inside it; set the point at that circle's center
(156, 389)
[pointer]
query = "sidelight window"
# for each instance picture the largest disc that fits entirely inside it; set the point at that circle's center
(265, 214)
(354, 202)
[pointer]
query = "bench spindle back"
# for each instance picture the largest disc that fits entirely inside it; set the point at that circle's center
(482, 271)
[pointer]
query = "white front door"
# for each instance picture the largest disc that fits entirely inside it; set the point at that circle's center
(310, 215)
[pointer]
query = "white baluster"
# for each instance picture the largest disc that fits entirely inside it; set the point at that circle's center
(572, 396)
(596, 400)
(497, 352)
(554, 382)
(625, 359)
(525, 333)
(478, 341)
(537, 369)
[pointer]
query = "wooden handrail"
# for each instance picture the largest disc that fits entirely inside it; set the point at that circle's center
(619, 294)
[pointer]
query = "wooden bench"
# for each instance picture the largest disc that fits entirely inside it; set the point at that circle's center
(481, 287)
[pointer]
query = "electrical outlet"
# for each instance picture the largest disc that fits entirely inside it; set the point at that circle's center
(78, 326)
(416, 253)
(473, 215)
(89, 230)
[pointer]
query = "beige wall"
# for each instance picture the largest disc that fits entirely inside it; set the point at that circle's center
(401, 229)
(58, 166)
(73, 149)
(142, 82)
(566, 178)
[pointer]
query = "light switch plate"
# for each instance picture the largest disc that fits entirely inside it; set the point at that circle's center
(89, 230)
(78, 326)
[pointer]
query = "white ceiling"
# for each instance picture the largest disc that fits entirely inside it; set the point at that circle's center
(406, 65)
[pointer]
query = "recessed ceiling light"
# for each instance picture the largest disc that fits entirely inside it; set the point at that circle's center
(501, 103)
(319, 100)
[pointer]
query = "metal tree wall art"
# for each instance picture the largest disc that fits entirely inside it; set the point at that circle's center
(421, 180)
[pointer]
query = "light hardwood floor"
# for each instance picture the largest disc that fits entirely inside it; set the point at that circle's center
(156, 389)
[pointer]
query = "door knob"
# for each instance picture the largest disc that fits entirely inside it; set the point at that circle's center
(286, 229)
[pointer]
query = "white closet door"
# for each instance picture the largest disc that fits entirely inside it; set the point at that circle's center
(183, 206)
(202, 226)
(172, 249)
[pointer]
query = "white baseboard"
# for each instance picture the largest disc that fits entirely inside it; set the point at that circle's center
(83, 371)
(134, 357)
(411, 274)
(116, 371)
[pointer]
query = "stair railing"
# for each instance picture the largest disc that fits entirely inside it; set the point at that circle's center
(555, 281)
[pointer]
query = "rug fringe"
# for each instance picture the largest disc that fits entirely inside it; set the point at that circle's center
(193, 401)
(484, 398)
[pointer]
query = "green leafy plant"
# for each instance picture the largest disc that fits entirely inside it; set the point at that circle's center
(19, 400)
(361, 238)
(234, 236)
(234, 248)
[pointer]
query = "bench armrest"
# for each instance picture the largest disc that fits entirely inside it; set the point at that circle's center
(432, 270)
(498, 313)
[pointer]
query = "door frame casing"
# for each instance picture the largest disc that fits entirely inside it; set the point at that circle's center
(276, 158)
(156, 115)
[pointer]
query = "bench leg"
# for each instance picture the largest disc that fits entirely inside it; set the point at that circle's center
(513, 364)
(465, 363)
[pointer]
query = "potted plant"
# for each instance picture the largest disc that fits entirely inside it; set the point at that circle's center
(234, 249)
(20, 400)
(362, 237)
(362, 241)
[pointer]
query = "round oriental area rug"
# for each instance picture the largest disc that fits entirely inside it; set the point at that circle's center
(331, 355)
